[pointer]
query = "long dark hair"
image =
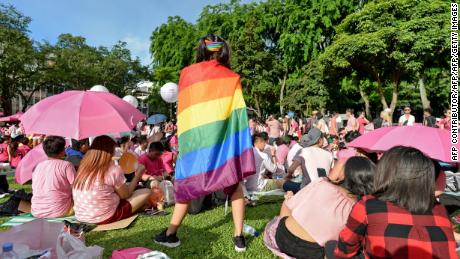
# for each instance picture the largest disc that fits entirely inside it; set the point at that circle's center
(406, 177)
(359, 176)
(204, 54)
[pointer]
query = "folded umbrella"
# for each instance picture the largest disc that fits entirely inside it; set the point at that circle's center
(28, 163)
(81, 114)
(156, 119)
(434, 142)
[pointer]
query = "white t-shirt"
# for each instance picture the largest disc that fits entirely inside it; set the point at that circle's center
(410, 120)
(293, 152)
(314, 160)
(257, 181)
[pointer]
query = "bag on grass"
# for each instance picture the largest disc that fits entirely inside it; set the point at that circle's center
(130, 253)
(71, 247)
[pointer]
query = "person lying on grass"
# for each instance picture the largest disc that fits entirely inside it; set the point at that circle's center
(100, 192)
(52, 182)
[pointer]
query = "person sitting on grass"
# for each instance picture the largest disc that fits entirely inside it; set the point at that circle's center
(4, 143)
(168, 158)
(142, 147)
(52, 182)
(265, 167)
(100, 192)
(154, 168)
(314, 161)
(402, 218)
(75, 153)
(318, 212)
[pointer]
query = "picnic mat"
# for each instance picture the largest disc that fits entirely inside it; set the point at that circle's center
(24, 218)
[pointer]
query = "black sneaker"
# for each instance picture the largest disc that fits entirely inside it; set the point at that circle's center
(240, 243)
(170, 241)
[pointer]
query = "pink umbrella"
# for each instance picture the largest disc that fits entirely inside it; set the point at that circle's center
(12, 118)
(28, 163)
(81, 114)
(434, 142)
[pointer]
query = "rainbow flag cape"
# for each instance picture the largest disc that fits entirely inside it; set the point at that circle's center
(215, 147)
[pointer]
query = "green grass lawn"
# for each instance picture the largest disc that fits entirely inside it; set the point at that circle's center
(206, 235)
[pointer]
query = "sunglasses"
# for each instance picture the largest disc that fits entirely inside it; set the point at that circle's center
(407, 110)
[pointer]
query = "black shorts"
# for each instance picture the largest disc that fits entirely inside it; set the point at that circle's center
(294, 246)
(291, 186)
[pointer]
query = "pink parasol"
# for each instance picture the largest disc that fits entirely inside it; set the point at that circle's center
(28, 163)
(81, 114)
(434, 142)
(12, 118)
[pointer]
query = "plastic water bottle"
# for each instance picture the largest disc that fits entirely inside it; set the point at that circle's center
(8, 252)
(250, 230)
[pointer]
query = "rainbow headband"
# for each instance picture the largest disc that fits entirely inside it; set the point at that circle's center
(214, 46)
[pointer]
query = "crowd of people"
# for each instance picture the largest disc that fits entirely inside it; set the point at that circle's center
(339, 201)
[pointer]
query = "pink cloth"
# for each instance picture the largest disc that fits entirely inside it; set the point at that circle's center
(99, 202)
(20, 153)
(270, 238)
(445, 123)
(153, 167)
(274, 128)
(168, 161)
(52, 188)
(346, 153)
(321, 209)
(351, 123)
(281, 154)
(362, 123)
(4, 152)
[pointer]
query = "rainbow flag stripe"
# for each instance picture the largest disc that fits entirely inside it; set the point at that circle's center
(215, 149)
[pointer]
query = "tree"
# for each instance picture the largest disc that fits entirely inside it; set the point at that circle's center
(172, 48)
(17, 55)
(382, 40)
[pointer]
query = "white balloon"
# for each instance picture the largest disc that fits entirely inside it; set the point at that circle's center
(131, 100)
(99, 88)
(169, 92)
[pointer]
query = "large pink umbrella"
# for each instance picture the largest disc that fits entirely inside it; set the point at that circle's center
(434, 142)
(12, 118)
(81, 114)
(28, 163)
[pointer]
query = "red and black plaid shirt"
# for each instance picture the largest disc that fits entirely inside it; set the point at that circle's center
(384, 230)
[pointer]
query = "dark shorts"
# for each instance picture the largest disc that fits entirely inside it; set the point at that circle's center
(230, 190)
(291, 186)
(294, 246)
(123, 211)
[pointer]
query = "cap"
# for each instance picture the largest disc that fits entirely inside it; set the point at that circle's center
(311, 138)
(7, 247)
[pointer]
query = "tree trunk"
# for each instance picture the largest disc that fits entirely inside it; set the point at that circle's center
(394, 93)
(256, 101)
(377, 78)
(421, 87)
(283, 85)
(366, 101)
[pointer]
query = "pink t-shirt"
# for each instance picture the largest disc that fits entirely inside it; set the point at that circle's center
(99, 202)
(351, 123)
(153, 167)
(281, 154)
(3, 152)
(168, 161)
(52, 188)
(362, 122)
(321, 209)
(274, 129)
(20, 153)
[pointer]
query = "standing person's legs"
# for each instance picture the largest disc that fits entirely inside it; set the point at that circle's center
(238, 210)
(179, 213)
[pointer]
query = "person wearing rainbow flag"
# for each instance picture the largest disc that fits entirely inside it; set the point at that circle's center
(215, 147)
